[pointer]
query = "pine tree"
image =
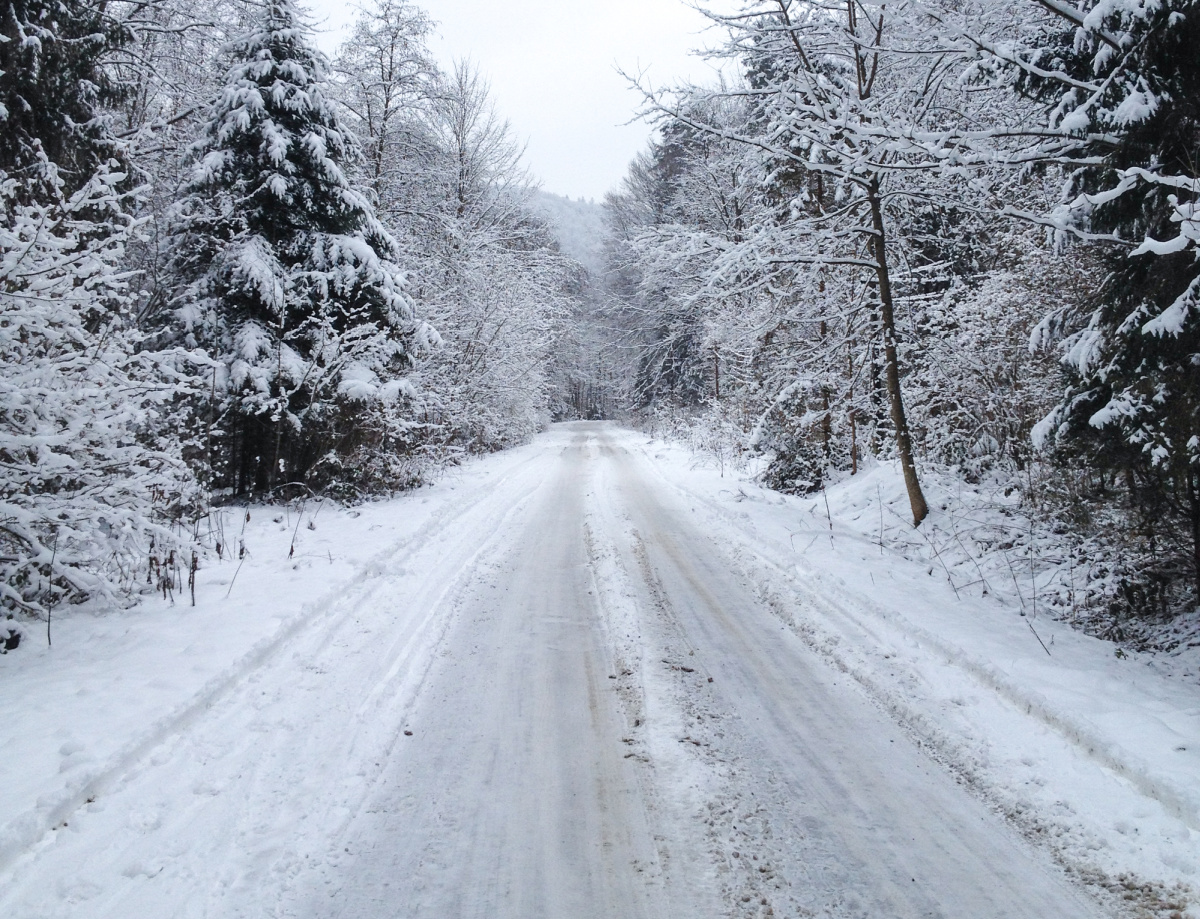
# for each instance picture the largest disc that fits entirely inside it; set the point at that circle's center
(287, 277)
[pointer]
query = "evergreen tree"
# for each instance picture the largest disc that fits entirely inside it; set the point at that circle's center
(287, 277)
(1124, 82)
(52, 85)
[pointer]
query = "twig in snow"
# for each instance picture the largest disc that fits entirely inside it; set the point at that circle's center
(50, 606)
(296, 531)
(967, 552)
(879, 500)
(1074, 609)
(1032, 573)
(1016, 584)
(828, 516)
(192, 575)
(241, 559)
(1038, 637)
(938, 556)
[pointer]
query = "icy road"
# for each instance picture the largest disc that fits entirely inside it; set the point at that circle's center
(558, 700)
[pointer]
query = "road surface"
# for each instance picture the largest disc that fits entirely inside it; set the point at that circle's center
(564, 703)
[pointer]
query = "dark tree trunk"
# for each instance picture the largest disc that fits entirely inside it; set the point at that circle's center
(1193, 480)
(891, 365)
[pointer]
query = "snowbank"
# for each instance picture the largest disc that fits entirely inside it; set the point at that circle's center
(116, 684)
(1088, 747)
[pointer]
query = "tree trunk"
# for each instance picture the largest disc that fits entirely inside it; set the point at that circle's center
(852, 415)
(887, 316)
(1193, 480)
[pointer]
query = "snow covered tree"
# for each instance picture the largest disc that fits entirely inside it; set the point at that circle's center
(89, 480)
(493, 282)
(665, 326)
(388, 83)
(287, 278)
(1119, 83)
(87, 486)
(485, 271)
(51, 91)
(846, 110)
(168, 72)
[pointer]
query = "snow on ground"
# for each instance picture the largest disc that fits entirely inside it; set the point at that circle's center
(1092, 752)
(116, 684)
(546, 623)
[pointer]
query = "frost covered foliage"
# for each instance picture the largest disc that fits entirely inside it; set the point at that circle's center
(1123, 81)
(89, 484)
(289, 281)
(883, 234)
(484, 269)
(82, 484)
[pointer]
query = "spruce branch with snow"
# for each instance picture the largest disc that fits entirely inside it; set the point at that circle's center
(1119, 83)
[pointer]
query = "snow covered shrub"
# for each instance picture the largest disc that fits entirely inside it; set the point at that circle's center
(805, 439)
(90, 477)
(80, 482)
(11, 633)
(720, 432)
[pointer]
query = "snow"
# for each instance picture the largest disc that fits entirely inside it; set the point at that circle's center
(545, 622)
(1092, 749)
(1173, 320)
(1076, 121)
(1138, 106)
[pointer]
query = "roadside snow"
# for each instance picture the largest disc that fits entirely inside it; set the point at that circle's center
(115, 684)
(1094, 754)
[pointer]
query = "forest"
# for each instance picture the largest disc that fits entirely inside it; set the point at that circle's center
(961, 238)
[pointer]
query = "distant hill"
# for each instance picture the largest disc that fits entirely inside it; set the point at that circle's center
(578, 227)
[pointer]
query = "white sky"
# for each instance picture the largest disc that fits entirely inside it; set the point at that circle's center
(552, 67)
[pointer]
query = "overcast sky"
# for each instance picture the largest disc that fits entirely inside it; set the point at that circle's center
(552, 67)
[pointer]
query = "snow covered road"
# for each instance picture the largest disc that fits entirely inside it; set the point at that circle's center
(561, 701)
